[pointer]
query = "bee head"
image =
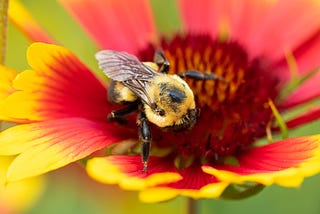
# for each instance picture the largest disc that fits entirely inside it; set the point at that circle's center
(174, 105)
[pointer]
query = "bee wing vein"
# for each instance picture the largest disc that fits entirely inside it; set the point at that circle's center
(126, 68)
(121, 66)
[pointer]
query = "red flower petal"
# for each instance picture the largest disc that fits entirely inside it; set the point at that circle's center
(17, 197)
(193, 178)
(308, 91)
(279, 30)
(310, 115)
(27, 24)
(284, 162)
(194, 183)
(202, 17)
(263, 27)
(162, 182)
(307, 54)
(127, 171)
(115, 24)
(59, 86)
(49, 145)
(7, 75)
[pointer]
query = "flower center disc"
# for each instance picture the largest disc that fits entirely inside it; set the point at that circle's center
(233, 113)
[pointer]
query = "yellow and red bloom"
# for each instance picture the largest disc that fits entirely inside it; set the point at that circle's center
(18, 196)
(252, 45)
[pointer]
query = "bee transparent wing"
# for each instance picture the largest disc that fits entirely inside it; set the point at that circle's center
(121, 66)
(126, 68)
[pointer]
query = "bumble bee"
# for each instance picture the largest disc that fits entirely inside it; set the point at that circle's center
(162, 99)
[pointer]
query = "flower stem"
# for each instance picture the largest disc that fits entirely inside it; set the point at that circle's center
(3, 28)
(192, 207)
(3, 31)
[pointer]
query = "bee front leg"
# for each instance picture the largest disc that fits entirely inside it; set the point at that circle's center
(197, 75)
(118, 115)
(145, 138)
(161, 60)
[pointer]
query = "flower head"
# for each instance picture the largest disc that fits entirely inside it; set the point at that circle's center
(64, 106)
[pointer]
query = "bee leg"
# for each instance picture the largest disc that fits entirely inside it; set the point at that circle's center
(145, 138)
(197, 75)
(161, 60)
(118, 115)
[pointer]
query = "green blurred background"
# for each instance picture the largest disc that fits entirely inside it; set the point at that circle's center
(69, 190)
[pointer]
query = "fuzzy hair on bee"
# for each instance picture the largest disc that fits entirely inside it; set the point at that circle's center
(162, 99)
(175, 99)
(167, 100)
